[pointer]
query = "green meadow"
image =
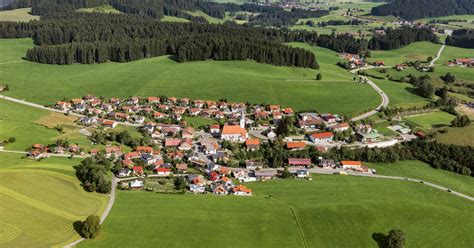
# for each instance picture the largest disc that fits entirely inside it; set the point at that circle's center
(41, 201)
(430, 120)
(330, 211)
(462, 136)
(401, 94)
(423, 171)
(415, 51)
(236, 81)
(17, 15)
(31, 125)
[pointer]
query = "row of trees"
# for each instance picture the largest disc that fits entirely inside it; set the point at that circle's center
(461, 38)
(400, 37)
(417, 9)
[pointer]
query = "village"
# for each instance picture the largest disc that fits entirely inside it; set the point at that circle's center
(210, 158)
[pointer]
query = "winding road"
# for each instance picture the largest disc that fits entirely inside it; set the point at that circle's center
(437, 55)
(385, 100)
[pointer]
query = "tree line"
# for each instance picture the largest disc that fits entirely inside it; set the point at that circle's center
(461, 38)
(400, 37)
(417, 9)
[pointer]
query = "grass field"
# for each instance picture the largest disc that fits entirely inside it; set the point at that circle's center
(401, 94)
(430, 120)
(451, 53)
(415, 51)
(423, 171)
(101, 9)
(40, 201)
(173, 19)
(462, 136)
(236, 81)
(197, 121)
(17, 15)
(31, 125)
(330, 211)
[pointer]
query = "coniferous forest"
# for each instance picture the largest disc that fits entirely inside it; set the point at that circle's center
(461, 38)
(417, 9)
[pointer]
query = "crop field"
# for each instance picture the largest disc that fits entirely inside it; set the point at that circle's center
(423, 171)
(41, 201)
(330, 211)
(430, 120)
(17, 15)
(31, 125)
(415, 51)
(236, 81)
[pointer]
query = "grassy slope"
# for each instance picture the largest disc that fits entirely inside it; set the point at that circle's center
(31, 125)
(400, 94)
(451, 53)
(333, 211)
(236, 81)
(173, 19)
(42, 200)
(420, 170)
(434, 119)
(414, 51)
(17, 15)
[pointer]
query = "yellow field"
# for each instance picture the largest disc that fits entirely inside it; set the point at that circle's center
(17, 15)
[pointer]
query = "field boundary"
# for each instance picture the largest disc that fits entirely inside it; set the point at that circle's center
(296, 219)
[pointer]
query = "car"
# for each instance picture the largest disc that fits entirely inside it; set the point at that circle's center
(422, 182)
(449, 190)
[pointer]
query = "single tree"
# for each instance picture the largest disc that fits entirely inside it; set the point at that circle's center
(319, 76)
(91, 227)
(395, 239)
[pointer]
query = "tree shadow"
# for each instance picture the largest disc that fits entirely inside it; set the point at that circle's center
(77, 225)
(381, 239)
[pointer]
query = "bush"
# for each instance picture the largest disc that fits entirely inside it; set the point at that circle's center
(91, 227)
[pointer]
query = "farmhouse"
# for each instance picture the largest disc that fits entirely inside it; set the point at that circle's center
(242, 190)
(341, 127)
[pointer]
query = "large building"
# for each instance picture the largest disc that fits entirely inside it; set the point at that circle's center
(235, 133)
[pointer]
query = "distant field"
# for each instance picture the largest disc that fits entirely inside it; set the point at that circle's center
(415, 51)
(451, 53)
(40, 201)
(463, 136)
(423, 171)
(431, 120)
(101, 9)
(234, 80)
(332, 211)
(173, 19)
(17, 15)
(31, 125)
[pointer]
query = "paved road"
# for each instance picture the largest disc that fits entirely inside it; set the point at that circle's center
(317, 170)
(49, 154)
(437, 55)
(56, 110)
(384, 103)
(104, 214)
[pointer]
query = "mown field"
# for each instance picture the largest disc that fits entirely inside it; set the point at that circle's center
(463, 136)
(330, 211)
(401, 94)
(236, 81)
(430, 120)
(31, 125)
(40, 201)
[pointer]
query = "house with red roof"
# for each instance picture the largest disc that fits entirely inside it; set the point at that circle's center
(163, 171)
(321, 137)
(341, 127)
(295, 145)
(352, 165)
(242, 190)
(234, 133)
(252, 144)
(299, 162)
(137, 170)
(172, 142)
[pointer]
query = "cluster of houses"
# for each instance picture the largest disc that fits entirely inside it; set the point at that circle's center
(38, 151)
(465, 62)
(354, 61)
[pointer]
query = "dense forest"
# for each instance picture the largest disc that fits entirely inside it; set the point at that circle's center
(400, 37)
(417, 9)
(461, 38)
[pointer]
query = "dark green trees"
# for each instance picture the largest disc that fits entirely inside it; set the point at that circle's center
(395, 239)
(91, 227)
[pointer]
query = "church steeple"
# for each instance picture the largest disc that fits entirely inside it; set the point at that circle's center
(242, 118)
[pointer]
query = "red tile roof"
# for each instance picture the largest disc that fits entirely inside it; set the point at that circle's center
(324, 135)
(299, 161)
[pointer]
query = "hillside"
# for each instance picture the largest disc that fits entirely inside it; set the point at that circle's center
(417, 9)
